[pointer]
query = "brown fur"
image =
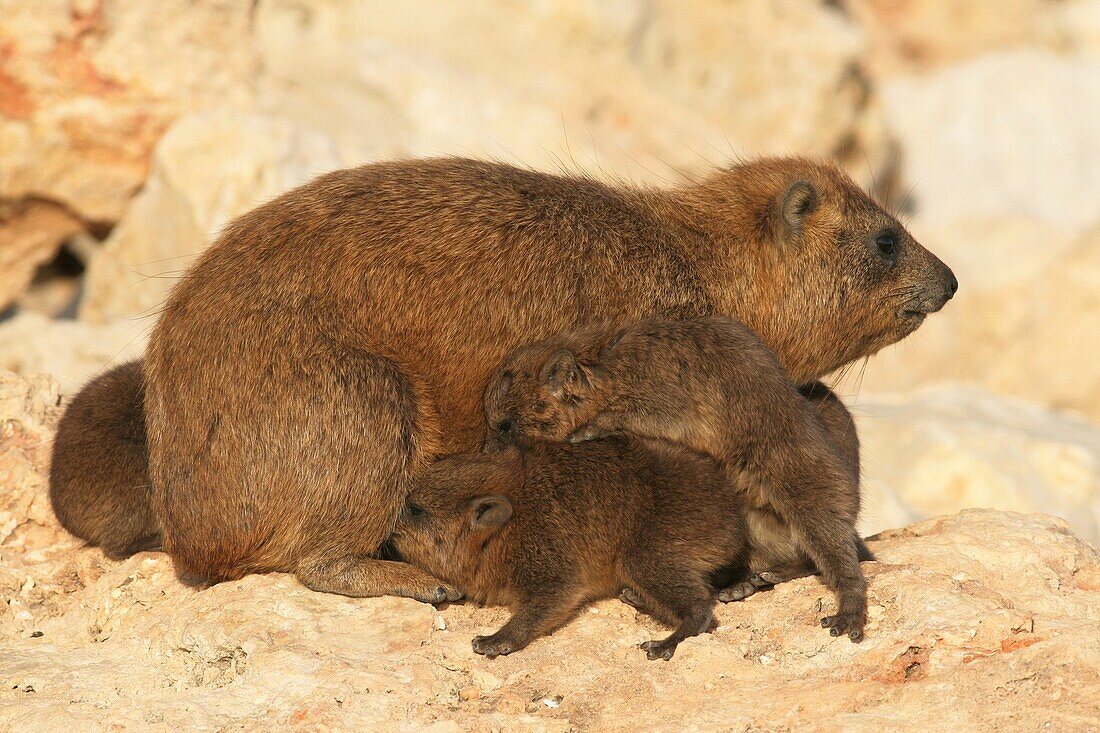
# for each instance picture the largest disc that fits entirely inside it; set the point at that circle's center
(99, 476)
(711, 385)
(550, 528)
(776, 558)
(333, 341)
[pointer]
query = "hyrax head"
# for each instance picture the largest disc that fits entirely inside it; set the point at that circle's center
(540, 392)
(840, 277)
(452, 512)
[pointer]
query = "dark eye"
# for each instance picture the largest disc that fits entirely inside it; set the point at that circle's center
(887, 245)
(505, 426)
(415, 510)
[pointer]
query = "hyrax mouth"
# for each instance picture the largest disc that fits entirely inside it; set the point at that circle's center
(918, 316)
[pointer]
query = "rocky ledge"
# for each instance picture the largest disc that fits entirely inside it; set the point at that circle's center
(982, 620)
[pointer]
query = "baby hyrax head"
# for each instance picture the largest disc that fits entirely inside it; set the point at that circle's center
(542, 392)
(452, 513)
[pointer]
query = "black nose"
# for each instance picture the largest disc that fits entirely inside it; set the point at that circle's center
(952, 286)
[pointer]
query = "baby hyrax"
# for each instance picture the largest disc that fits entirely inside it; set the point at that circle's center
(712, 386)
(549, 527)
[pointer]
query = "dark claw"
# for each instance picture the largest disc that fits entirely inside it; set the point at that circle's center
(738, 592)
(630, 598)
(658, 650)
(849, 624)
(490, 646)
(768, 578)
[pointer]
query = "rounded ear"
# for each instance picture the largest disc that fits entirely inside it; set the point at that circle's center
(499, 387)
(561, 373)
(490, 512)
(799, 201)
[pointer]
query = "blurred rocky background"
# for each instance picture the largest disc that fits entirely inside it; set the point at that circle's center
(131, 132)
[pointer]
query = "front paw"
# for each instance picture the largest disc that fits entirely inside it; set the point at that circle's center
(584, 433)
(438, 594)
(846, 623)
(631, 598)
(737, 592)
(495, 645)
(663, 649)
(744, 589)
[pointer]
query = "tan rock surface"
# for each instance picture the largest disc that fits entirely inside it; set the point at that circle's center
(209, 169)
(30, 234)
(1024, 323)
(1007, 134)
(72, 352)
(87, 88)
(943, 449)
(907, 36)
(979, 621)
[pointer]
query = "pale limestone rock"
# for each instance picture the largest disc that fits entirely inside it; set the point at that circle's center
(87, 88)
(645, 91)
(208, 169)
(979, 621)
(1023, 323)
(1006, 134)
(71, 351)
(30, 234)
(940, 450)
(913, 36)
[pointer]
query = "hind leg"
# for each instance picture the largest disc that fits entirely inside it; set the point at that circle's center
(688, 602)
(305, 476)
(543, 611)
(674, 594)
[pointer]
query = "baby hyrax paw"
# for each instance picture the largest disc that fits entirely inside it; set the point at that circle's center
(846, 623)
(496, 645)
(586, 432)
(630, 597)
(663, 649)
(737, 592)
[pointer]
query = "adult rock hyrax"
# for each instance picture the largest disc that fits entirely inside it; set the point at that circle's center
(711, 385)
(551, 527)
(335, 340)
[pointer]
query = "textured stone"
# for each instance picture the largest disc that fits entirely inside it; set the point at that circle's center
(208, 169)
(919, 35)
(87, 88)
(72, 352)
(976, 148)
(1024, 322)
(30, 235)
(641, 90)
(943, 449)
(979, 621)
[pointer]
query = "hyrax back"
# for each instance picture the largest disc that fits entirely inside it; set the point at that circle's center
(550, 527)
(712, 386)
